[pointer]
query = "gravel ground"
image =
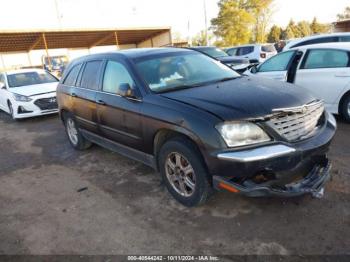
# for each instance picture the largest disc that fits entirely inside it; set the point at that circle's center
(124, 208)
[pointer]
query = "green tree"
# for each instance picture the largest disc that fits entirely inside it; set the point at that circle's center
(275, 34)
(345, 15)
(288, 34)
(200, 38)
(237, 20)
(318, 28)
(304, 28)
(263, 13)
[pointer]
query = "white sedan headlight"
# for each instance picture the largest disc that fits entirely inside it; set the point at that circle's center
(242, 134)
(22, 98)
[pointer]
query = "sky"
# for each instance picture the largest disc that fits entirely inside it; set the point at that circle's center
(184, 16)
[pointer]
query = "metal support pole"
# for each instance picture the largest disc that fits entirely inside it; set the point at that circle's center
(116, 39)
(2, 61)
(29, 59)
(47, 50)
(206, 23)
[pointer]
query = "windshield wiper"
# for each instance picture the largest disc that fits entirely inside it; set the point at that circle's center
(225, 79)
(176, 88)
(170, 89)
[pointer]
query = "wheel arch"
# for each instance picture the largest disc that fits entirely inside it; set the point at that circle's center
(165, 134)
(341, 101)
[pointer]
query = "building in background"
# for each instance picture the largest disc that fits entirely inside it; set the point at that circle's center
(341, 26)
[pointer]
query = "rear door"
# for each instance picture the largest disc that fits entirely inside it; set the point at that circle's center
(325, 73)
(118, 116)
(84, 95)
(277, 67)
(246, 52)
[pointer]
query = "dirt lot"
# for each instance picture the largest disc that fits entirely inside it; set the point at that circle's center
(126, 210)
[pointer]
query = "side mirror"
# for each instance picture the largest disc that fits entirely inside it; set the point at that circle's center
(125, 90)
(2, 86)
(254, 70)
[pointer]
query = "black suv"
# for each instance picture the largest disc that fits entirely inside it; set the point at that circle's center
(197, 122)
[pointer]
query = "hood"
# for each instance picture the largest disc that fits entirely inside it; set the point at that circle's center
(232, 59)
(33, 90)
(243, 98)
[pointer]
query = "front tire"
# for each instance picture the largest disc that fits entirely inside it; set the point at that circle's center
(184, 172)
(76, 139)
(345, 109)
(11, 112)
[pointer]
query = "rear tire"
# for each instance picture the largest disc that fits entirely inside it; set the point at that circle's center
(345, 109)
(184, 173)
(76, 139)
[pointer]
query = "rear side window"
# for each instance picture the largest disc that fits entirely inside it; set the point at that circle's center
(344, 38)
(72, 76)
(268, 48)
(115, 75)
(245, 50)
(279, 62)
(326, 59)
(90, 75)
(232, 51)
(318, 41)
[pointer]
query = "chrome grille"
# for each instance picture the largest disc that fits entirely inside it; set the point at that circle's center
(298, 122)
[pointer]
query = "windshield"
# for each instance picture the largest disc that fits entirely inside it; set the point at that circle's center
(171, 72)
(30, 78)
(214, 52)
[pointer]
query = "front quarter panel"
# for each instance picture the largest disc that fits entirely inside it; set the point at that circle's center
(159, 113)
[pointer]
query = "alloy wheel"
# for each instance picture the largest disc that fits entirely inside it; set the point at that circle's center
(72, 131)
(180, 174)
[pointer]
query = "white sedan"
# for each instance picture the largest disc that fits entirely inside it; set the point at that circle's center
(28, 93)
(322, 69)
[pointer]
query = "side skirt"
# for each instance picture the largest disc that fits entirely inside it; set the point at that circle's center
(120, 149)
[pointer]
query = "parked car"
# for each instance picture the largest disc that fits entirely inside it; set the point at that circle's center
(199, 123)
(55, 64)
(318, 39)
(256, 53)
(238, 64)
(28, 92)
(324, 70)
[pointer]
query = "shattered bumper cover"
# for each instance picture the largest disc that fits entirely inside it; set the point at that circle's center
(313, 183)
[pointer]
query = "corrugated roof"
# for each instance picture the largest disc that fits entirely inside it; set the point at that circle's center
(18, 41)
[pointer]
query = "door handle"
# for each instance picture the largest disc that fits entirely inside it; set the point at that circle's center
(73, 94)
(345, 74)
(101, 102)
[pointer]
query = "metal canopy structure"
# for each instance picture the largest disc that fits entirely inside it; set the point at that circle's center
(25, 41)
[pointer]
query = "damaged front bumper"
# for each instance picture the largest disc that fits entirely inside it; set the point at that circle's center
(279, 169)
(313, 183)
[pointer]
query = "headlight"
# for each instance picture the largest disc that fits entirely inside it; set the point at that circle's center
(21, 98)
(242, 134)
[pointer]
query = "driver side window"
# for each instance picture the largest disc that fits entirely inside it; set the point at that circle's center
(115, 75)
(279, 62)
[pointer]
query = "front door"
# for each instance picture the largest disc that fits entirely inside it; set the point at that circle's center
(325, 73)
(277, 67)
(118, 116)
